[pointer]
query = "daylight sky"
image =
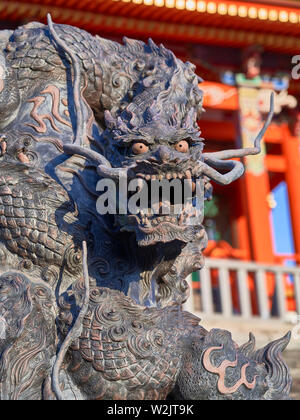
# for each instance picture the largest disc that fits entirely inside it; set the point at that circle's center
(280, 215)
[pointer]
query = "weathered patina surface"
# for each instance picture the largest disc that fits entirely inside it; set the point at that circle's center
(91, 305)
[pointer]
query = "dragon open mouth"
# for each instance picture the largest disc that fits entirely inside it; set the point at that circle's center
(165, 219)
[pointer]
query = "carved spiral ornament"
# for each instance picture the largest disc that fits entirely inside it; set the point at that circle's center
(50, 275)
(73, 259)
(118, 333)
(100, 266)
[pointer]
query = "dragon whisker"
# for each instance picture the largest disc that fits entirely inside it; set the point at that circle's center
(215, 159)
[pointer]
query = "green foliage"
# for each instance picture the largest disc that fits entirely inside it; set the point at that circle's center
(211, 208)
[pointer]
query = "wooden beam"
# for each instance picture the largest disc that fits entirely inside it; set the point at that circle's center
(210, 31)
(275, 163)
(218, 130)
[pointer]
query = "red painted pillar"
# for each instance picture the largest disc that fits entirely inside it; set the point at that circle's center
(291, 152)
(241, 222)
(257, 190)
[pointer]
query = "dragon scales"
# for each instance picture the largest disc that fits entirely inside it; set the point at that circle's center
(91, 304)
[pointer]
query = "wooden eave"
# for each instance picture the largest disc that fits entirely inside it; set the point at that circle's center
(274, 25)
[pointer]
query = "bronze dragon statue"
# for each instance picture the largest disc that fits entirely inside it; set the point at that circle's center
(90, 303)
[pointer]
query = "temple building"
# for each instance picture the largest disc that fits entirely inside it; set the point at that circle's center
(243, 50)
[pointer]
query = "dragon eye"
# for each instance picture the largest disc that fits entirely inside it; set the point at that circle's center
(182, 146)
(139, 148)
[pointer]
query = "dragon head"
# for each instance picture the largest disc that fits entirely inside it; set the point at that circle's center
(151, 140)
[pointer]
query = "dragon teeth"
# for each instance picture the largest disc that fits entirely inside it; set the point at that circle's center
(169, 175)
(140, 183)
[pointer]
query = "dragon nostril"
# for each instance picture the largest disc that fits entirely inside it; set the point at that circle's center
(163, 154)
(164, 157)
